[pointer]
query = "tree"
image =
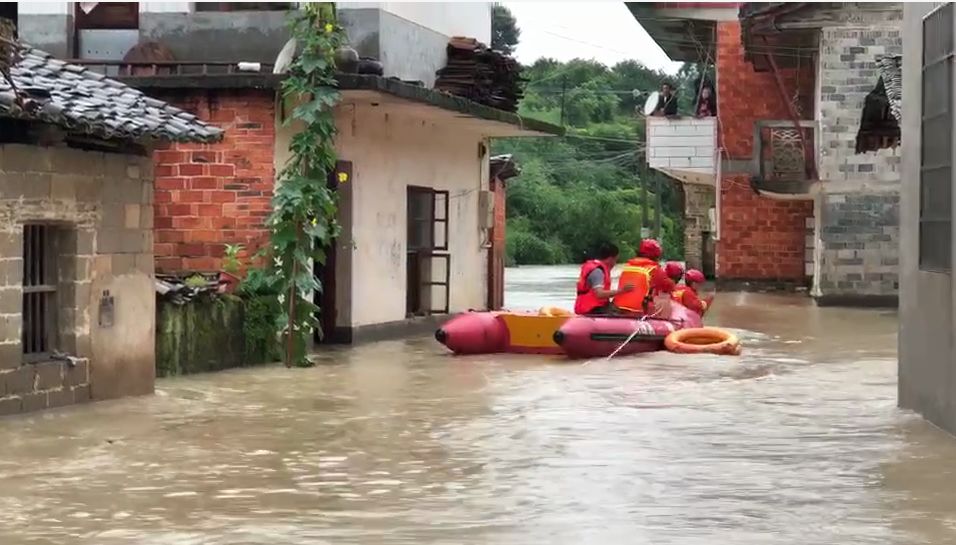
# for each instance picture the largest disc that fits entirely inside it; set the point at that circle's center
(504, 30)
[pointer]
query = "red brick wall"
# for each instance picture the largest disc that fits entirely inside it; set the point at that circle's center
(210, 195)
(760, 238)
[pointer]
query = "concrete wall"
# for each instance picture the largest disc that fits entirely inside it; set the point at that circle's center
(927, 383)
(472, 19)
(255, 36)
(101, 204)
(858, 232)
(47, 26)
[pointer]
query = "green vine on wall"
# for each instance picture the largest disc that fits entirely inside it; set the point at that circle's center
(302, 224)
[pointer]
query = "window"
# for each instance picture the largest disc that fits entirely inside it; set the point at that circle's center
(936, 133)
(243, 6)
(427, 265)
(39, 291)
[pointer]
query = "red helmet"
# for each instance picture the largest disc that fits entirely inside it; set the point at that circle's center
(693, 276)
(674, 270)
(650, 249)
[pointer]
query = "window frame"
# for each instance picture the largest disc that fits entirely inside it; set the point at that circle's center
(938, 257)
(39, 306)
(421, 259)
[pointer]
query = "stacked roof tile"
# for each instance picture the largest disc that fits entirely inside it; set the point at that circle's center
(80, 100)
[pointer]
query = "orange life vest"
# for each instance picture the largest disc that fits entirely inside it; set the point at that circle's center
(636, 272)
(679, 293)
(586, 300)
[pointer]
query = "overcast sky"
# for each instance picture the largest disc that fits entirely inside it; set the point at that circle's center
(592, 29)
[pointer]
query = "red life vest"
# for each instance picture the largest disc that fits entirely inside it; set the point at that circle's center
(586, 300)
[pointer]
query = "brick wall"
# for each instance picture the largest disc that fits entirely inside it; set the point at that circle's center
(210, 195)
(99, 209)
(859, 228)
(760, 238)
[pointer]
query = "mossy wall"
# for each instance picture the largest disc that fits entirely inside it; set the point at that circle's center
(205, 334)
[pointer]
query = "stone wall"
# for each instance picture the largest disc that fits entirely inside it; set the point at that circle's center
(761, 239)
(859, 204)
(210, 195)
(99, 208)
(698, 201)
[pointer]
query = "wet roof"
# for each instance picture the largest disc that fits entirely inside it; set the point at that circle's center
(80, 100)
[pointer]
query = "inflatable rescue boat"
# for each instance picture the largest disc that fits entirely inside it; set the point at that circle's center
(559, 332)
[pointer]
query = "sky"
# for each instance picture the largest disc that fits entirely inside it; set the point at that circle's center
(604, 31)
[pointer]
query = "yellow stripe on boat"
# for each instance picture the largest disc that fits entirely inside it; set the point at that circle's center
(532, 331)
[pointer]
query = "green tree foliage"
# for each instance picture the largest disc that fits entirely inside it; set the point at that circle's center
(577, 192)
(504, 30)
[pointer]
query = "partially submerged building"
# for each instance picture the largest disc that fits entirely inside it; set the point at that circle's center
(417, 211)
(796, 180)
(76, 242)
(927, 383)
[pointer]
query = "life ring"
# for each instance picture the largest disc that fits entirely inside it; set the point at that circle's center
(703, 340)
(554, 311)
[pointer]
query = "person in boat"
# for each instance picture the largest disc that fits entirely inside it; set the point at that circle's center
(687, 294)
(674, 271)
(645, 273)
(594, 291)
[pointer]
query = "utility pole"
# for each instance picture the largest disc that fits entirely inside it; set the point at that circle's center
(564, 88)
(645, 216)
(657, 210)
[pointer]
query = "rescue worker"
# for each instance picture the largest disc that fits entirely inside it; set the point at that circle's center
(687, 294)
(648, 278)
(594, 291)
(674, 270)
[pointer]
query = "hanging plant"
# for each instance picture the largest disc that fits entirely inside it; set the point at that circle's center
(302, 224)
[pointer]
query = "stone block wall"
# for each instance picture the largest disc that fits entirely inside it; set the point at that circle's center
(698, 201)
(210, 195)
(859, 204)
(761, 239)
(99, 207)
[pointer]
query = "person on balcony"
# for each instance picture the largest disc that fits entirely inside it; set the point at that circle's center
(666, 102)
(646, 276)
(687, 294)
(706, 103)
(594, 291)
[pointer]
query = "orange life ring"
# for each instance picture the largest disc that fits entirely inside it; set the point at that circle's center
(703, 340)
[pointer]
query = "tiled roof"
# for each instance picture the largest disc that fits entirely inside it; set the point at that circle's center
(891, 70)
(80, 100)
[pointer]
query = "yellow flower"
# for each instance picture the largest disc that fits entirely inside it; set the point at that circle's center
(343, 177)
(329, 28)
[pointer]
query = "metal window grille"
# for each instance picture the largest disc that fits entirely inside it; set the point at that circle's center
(39, 291)
(936, 128)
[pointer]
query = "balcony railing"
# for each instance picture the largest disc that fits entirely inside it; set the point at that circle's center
(172, 69)
(683, 148)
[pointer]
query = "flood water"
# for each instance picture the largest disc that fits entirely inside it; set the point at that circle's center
(798, 441)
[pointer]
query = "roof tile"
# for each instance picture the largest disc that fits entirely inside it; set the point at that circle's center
(88, 102)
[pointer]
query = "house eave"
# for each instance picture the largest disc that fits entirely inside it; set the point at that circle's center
(444, 107)
(685, 31)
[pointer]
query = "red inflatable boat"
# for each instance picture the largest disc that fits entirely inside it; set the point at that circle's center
(557, 331)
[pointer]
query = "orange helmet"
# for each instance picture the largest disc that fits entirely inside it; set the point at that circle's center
(650, 249)
(674, 270)
(693, 276)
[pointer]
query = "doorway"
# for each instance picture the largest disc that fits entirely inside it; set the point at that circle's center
(325, 298)
(427, 261)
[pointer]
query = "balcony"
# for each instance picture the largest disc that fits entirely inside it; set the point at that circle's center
(784, 157)
(683, 148)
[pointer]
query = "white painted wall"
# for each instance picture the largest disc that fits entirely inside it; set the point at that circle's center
(472, 19)
(685, 144)
(391, 149)
(44, 8)
(389, 152)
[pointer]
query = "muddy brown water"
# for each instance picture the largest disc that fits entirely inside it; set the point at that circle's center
(796, 442)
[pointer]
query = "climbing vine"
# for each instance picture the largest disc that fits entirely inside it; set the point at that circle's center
(302, 224)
